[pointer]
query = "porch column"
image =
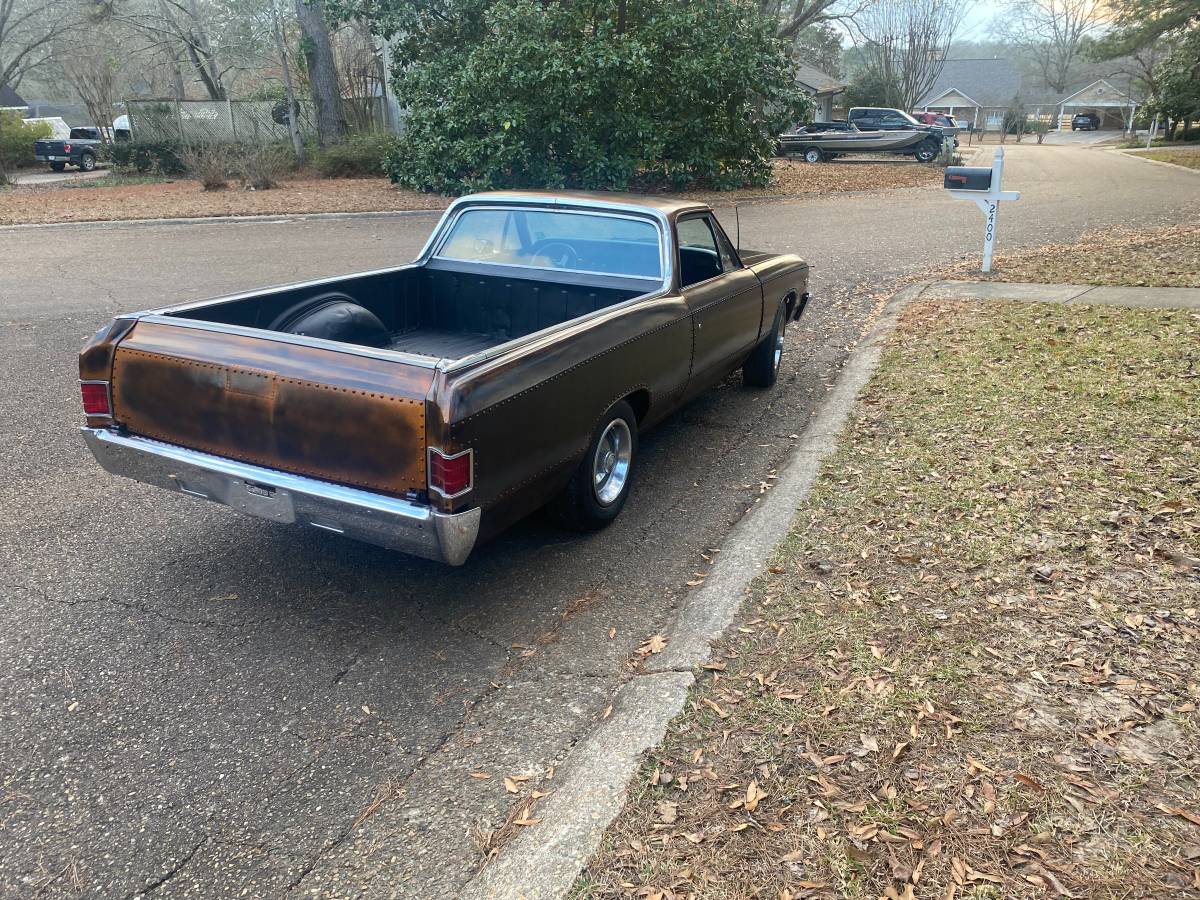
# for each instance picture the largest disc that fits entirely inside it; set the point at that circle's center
(1061, 107)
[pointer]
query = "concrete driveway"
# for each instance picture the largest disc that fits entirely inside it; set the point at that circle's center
(196, 704)
(46, 176)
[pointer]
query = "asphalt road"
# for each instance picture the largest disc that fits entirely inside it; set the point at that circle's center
(193, 703)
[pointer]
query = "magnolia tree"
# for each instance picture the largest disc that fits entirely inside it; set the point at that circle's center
(638, 92)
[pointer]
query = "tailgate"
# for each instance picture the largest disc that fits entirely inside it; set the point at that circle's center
(312, 411)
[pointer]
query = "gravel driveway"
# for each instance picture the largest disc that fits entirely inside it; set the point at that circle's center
(193, 703)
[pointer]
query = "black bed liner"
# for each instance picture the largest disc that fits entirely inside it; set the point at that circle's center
(442, 344)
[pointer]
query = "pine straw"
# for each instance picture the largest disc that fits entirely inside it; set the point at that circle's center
(1168, 256)
(183, 198)
(971, 670)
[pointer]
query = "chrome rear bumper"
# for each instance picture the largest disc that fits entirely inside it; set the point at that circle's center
(282, 497)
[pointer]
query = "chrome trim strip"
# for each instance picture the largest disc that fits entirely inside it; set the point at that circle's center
(424, 362)
(390, 522)
(470, 451)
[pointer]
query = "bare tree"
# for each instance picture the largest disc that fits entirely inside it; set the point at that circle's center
(1052, 34)
(289, 92)
(322, 71)
(28, 30)
(92, 71)
(795, 15)
(904, 43)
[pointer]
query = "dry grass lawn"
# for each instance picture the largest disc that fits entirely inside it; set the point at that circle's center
(1188, 157)
(185, 199)
(972, 670)
(1158, 257)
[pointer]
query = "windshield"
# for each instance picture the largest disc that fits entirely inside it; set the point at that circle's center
(559, 240)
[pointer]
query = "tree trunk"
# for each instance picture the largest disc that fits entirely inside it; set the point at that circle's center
(289, 92)
(322, 71)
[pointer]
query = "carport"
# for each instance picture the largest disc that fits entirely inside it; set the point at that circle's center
(1099, 97)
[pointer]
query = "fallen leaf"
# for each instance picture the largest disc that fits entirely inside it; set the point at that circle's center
(715, 708)
(654, 644)
(511, 786)
(481, 775)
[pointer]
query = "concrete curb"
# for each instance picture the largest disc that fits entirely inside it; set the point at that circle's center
(544, 860)
(264, 219)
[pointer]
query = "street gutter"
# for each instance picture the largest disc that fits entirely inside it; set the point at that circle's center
(544, 860)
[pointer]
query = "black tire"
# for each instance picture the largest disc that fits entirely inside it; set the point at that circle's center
(761, 369)
(87, 162)
(333, 316)
(814, 155)
(579, 507)
(58, 167)
(927, 151)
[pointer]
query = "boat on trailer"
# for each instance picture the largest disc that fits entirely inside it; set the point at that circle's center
(820, 141)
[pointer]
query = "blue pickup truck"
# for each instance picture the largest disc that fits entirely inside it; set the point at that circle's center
(81, 148)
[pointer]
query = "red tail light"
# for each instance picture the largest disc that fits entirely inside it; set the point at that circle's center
(95, 398)
(66, 148)
(451, 476)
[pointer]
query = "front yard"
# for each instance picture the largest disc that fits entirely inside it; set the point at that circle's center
(971, 670)
(1179, 156)
(1168, 256)
(150, 199)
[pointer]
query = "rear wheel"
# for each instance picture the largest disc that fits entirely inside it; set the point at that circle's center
(87, 162)
(813, 155)
(928, 151)
(761, 369)
(58, 167)
(599, 487)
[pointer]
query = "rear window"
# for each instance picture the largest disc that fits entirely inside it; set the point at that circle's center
(82, 133)
(556, 240)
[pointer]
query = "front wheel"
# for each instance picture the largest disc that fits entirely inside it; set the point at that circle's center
(813, 155)
(599, 487)
(87, 162)
(927, 152)
(761, 369)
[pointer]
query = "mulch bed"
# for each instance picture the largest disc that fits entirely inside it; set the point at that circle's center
(184, 199)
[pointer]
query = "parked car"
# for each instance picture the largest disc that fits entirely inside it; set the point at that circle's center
(81, 148)
(942, 120)
(872, 118)
(428, 406)
(1085, 122)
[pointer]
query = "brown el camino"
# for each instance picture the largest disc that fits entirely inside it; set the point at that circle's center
(426, 407)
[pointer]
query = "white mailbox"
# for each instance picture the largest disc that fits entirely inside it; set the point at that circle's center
(987, 200)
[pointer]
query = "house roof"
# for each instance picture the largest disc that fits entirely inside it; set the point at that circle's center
(989, 82)
(816, 81)
(1100, 86)
(9, 97)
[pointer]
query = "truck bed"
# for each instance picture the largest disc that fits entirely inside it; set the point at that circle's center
(438, 311)
(441, 344)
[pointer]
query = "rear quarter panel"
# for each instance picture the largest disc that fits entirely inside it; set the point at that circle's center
(530, 414)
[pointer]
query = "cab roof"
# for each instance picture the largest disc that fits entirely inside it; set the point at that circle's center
(668, 206)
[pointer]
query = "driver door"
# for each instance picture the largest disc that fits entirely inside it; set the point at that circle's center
(724, 297)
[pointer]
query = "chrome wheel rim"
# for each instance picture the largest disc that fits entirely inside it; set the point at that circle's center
(779, 344)
(611, 462)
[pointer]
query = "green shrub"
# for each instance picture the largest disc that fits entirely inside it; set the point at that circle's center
(142, 157)
(520, 93)
(16, 140)
(359, 157)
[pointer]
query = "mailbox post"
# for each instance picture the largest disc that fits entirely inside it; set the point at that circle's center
(983, 186)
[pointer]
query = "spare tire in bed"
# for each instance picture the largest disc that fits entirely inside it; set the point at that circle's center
(333, 317)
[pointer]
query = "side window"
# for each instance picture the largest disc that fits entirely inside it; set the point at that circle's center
(699, 259)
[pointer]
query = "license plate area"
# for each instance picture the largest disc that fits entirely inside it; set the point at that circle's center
(247, 497)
